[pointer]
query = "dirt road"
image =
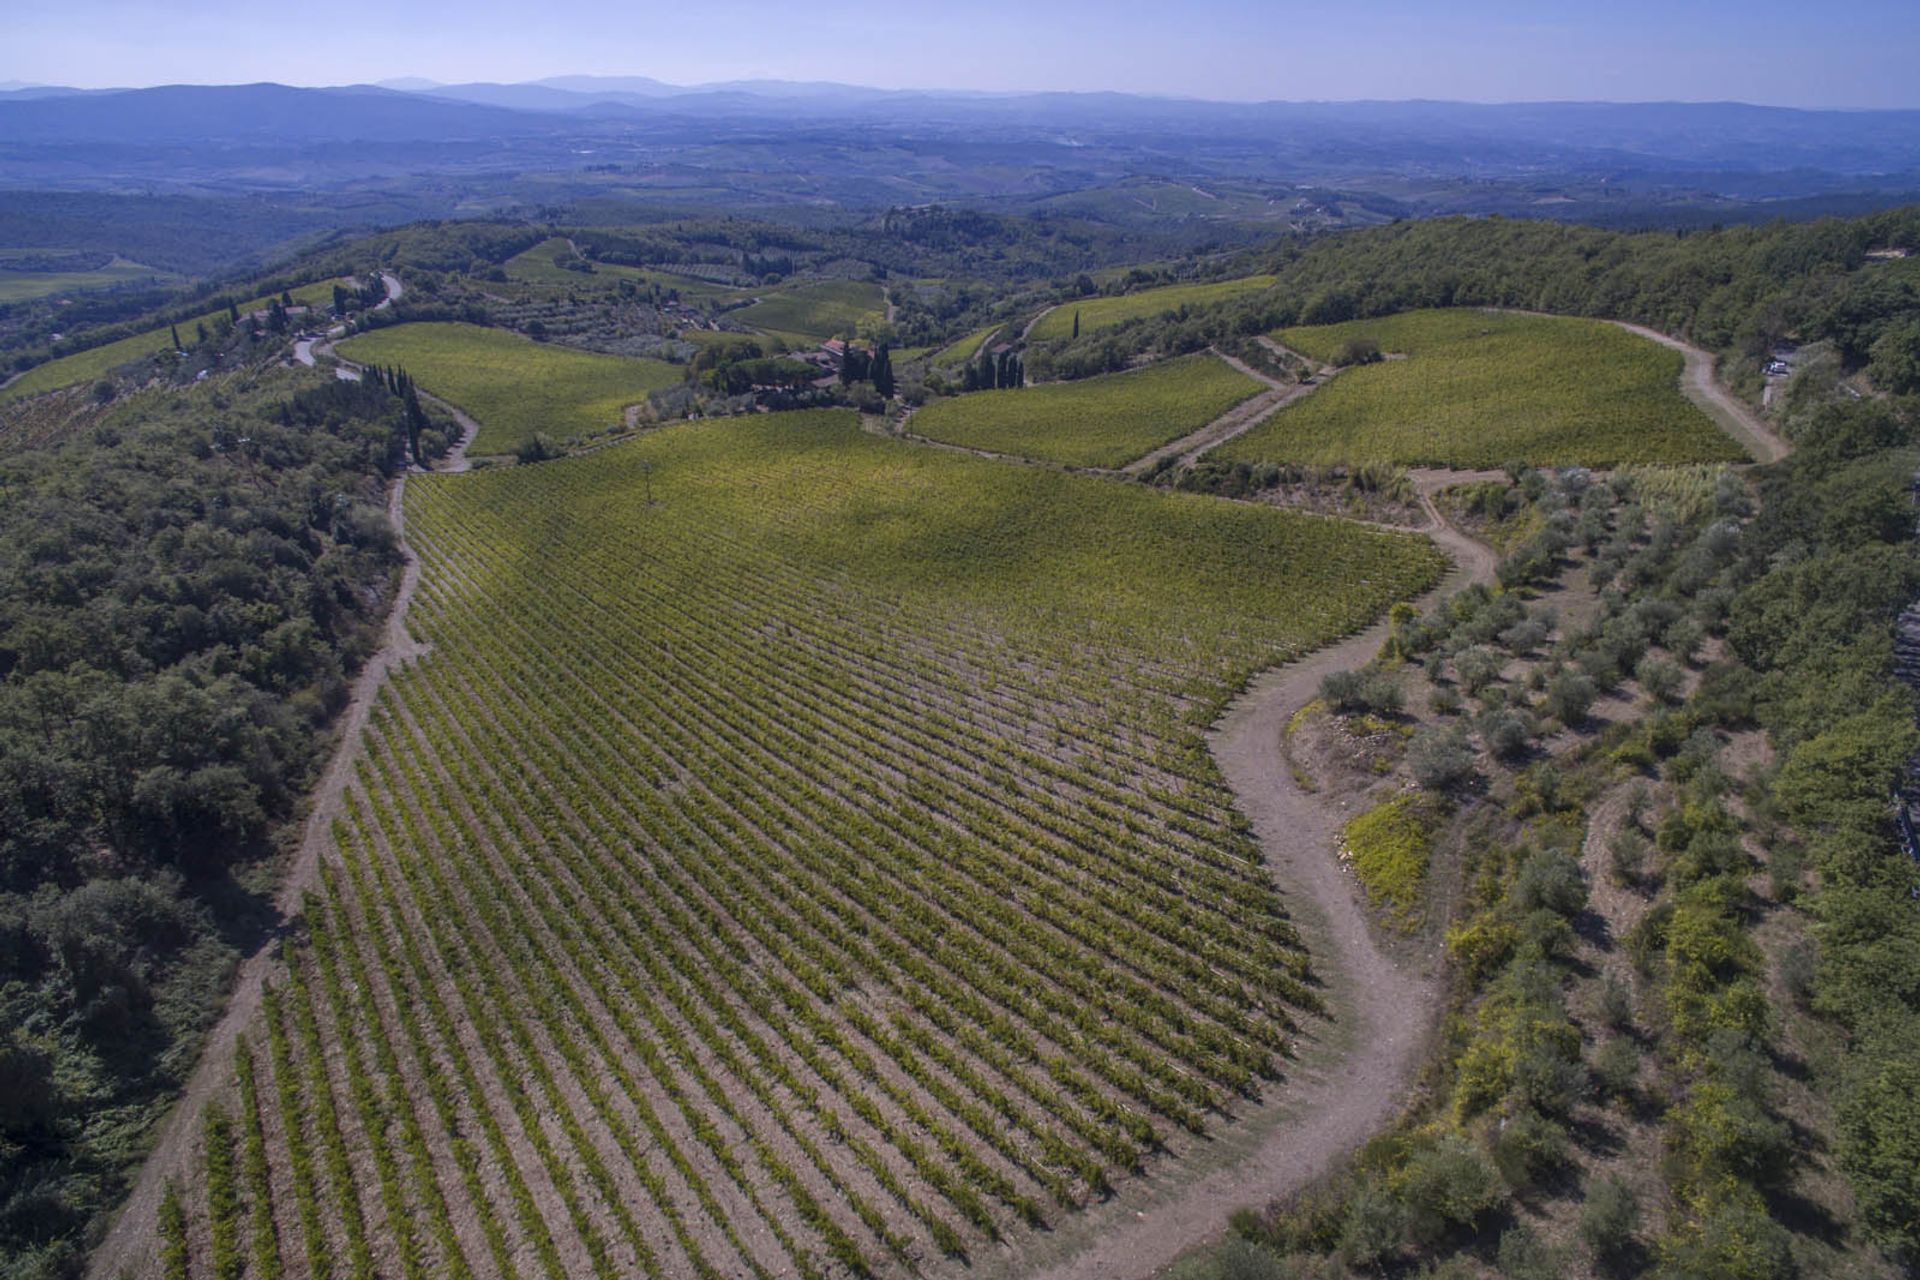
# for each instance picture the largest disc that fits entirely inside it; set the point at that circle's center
(1236, 421)
(131, 1241)
(1383, 1009)
(1732, 413)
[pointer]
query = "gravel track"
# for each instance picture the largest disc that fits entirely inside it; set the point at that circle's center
(1383, 1008)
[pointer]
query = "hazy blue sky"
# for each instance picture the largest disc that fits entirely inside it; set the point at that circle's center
(1858, 53)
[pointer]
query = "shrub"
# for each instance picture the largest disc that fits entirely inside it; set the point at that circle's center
(1609, 1220)
(1550, 879)
(1448, 1186)
(1570, 696)
(1507, 734)
(1234, 1259)
(1358, 351)
(1375, 1226)
(1528, 1148)
(1440, 758)
(1525, 1256)
(1551, 1077)
(1660, 678)
(1734, 1240)
(1389, 846)
(1616, 1067)
(1446, 701)
(1626, 857)
(1614, 1007)
(1476, 668)
(1524, 637)
(1364, 690)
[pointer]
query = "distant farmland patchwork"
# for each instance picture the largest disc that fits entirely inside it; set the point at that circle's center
(1102, 313)
(1481, 389)
(815, 870)
(1096, 422)
(514, 387)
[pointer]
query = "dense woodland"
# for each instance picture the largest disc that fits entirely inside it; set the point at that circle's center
(185, 591)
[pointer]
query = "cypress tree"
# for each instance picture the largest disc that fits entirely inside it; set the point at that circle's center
(1076, 324)
(174, 329)
(883, 373)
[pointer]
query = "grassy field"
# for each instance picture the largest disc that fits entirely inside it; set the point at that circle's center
(813, 871)
(514, 387)
(1101, 313)
(21, 286)
(1481, 389)
(812, 312)
(85, 366)
(1097, 422)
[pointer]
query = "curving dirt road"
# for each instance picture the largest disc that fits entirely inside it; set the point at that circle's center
(130, 1242)
(1383, 1008)
(1734, 415)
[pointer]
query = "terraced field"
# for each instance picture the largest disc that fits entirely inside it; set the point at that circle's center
(1481, 389)
(817, 871)
(1095, 422)
(514, 387)
(95, 362)
(1103, 313)
(811, 312)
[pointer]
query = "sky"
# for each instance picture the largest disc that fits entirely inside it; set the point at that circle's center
(1854, 53)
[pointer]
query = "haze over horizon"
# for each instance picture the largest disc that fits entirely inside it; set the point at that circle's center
(1765, 52)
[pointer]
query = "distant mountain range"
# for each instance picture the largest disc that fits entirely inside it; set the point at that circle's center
(603, 147)
(1415, 135)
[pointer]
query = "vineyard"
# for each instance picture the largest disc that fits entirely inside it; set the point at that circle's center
(808, 313)
(1482, 389)
(514, 386)
(1096, 422)
(796, 854)
(1104, 313)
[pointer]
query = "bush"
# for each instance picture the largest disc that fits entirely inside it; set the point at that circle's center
(1609, 1220)
(1476, 668)
(1440, 758)
(1446, 701)
(1660, 678)
(1616, 1067)
(1550, 879)
(1614, 1007)
(1524, 1256)
(1507, 734)
(1528, 1148)
(1448, 1186)
(1626, 857)
(537, 448)
(1364, 690)
(1570, 696)
(1375, 1226)
(1735, 1240)
(1234, 1259)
